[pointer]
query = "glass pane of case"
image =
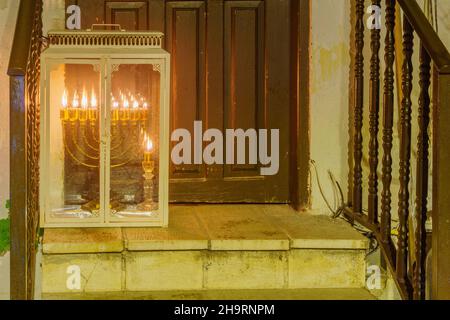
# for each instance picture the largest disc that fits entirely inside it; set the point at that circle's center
(73, 186)
(134, 142)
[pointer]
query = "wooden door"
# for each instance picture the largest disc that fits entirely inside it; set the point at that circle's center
(230, 69)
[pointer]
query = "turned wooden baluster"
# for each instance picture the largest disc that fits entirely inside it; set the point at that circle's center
(405, 154)
(358, 108)
(374, 110)
(422, 175)
(388, 115)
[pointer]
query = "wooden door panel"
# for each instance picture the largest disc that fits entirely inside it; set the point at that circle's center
(277, 84)
(185, 40)
(130, 15)
(244, 74)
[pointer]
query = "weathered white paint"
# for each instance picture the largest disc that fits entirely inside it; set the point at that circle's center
(443, 13)
(54, 15)
(8, 15)
(330, 62)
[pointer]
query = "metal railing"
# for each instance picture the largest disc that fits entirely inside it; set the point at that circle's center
(408, 268)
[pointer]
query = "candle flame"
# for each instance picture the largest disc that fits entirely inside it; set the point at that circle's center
(149, 144)
(145, 105)
(93, 100)
(64, 99)
(84, 100)
(126, 104)
(135, 105)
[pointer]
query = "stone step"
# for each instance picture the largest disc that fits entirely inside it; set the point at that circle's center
(208, 248)
(206, 269)
(268, 294)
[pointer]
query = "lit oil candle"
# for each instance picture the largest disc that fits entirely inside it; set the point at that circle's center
(64, 113)
(144, 111)
(93, 111)
(148, 149)
(84, 107)
(135, 111)
(115, 110)
(73, 111)
(125, 110)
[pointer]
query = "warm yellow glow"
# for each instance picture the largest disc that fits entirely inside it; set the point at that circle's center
(93, 99)
(64, 99)
(75, 101)
(149, 145)
(84, 100)
(125, 101)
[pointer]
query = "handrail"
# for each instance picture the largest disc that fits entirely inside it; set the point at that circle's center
(407, 258)
(430, 39)
(22, 38)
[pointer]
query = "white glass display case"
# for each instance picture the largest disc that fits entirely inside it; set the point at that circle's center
(104, 129)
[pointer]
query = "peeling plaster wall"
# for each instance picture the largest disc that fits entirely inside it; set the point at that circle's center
(329, 95)
(444, 21)
(53, 15)
(8, 16)
(330, 62)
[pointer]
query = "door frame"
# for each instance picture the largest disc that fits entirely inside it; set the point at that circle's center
(300, 187)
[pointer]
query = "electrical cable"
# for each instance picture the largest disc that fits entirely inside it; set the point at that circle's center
(338, 211)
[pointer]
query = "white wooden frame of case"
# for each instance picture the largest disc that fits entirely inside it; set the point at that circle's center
(105, 59)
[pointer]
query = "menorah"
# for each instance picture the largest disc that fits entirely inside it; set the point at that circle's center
(129, 140)
(104, 162)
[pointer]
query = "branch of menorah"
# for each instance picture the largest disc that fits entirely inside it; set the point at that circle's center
(70, 126)
(83, 129)
(69, 152)
(75, 143)
(115, 132)
(94, 131)
(134, 140)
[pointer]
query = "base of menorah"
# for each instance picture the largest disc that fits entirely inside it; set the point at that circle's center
(147, 206)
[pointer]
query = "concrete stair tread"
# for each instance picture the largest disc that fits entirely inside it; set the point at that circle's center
(274, 294)
(209, 247)
(214, 227)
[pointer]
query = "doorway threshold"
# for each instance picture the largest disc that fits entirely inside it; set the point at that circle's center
(230, 227)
